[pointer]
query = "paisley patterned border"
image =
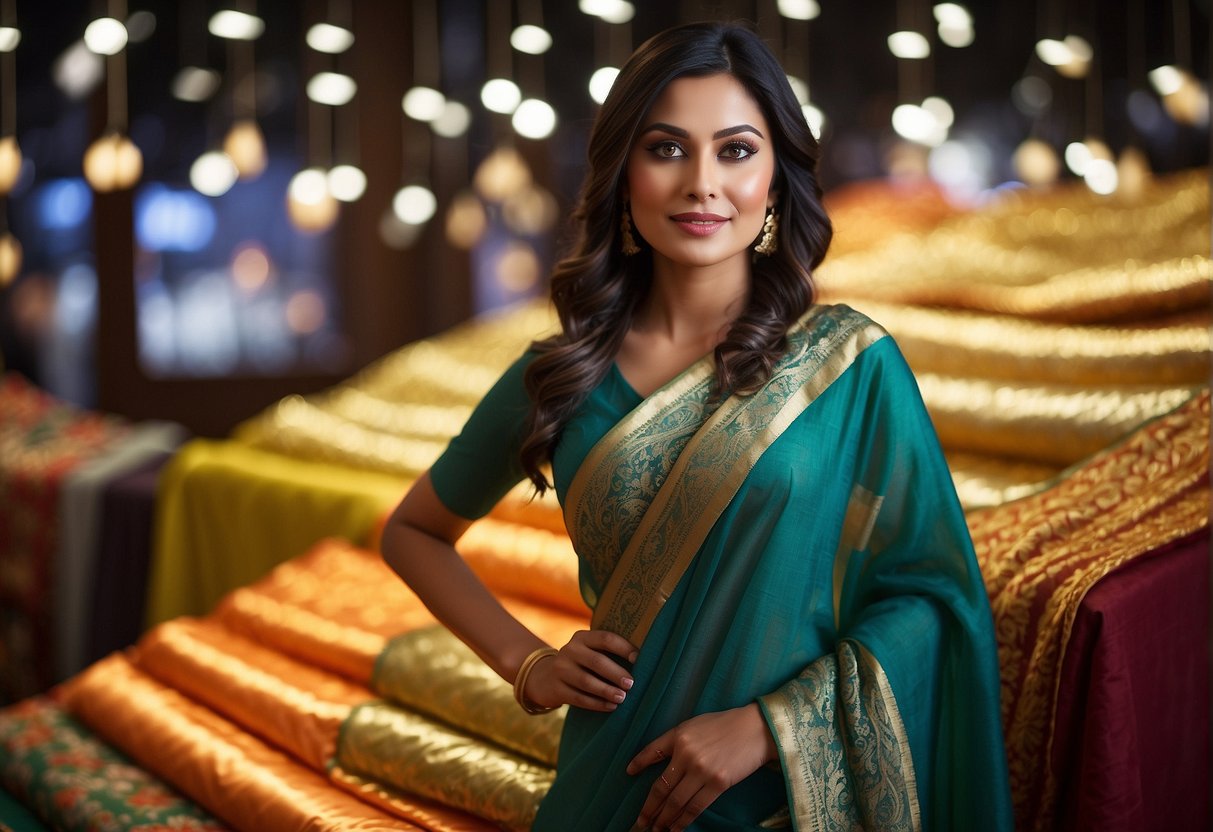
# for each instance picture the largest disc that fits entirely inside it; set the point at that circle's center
(611, 491)
(714, 464)
(843, 745)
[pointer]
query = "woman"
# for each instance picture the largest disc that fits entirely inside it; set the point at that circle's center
(789, 625)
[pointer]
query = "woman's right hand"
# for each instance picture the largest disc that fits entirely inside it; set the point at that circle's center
(583, 673)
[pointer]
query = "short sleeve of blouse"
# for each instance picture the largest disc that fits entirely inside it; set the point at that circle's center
(481, 465)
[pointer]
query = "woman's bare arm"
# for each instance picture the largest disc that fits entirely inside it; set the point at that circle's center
(419, 545)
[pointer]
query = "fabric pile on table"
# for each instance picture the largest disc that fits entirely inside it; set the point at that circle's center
(1062, 345)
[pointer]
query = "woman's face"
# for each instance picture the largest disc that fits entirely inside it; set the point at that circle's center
(699, 176)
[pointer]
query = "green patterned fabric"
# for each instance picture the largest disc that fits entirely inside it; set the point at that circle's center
(74, 781)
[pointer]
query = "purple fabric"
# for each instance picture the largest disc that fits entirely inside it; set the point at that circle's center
(123, 558)
(1131, 745)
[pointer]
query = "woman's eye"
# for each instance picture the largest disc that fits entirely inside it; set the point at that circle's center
(667, 150)
(737, 151)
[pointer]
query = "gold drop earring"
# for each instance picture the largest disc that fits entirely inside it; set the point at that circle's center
(628, 244)
(769, 243)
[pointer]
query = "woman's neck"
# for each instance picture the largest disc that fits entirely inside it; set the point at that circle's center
(689, 306)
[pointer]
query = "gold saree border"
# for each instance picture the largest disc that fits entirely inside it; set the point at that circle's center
(679, 407)
(842, 743)
(732, 440)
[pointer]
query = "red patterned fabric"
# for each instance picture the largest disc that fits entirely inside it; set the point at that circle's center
(42, 439)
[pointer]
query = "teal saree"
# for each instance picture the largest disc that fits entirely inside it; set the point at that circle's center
(801, 547)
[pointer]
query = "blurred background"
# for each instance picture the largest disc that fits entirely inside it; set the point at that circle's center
(208, 205)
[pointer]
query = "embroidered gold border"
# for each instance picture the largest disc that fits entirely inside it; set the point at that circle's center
(834, 784)
(808, 761)
(733, 439)
(635, 424)
(898, 728)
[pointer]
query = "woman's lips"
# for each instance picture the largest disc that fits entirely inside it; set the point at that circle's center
(700, 225)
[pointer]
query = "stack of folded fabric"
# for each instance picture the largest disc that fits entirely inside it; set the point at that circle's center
(324, 694)
(59, 462)
(1061, 342)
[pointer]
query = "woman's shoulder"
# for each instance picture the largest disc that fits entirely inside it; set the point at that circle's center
(839, 315)
(836, 326)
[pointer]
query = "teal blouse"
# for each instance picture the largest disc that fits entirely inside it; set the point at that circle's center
(481, 464)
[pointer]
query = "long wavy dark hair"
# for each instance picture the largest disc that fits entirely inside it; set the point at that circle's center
(596, 289)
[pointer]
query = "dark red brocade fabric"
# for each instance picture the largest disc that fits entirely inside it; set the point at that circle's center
(1131, 747)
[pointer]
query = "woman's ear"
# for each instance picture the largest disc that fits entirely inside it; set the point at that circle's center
(772, 199)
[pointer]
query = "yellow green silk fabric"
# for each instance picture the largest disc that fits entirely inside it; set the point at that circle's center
(227, 513)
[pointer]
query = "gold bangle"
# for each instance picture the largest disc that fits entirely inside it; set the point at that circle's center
(524, 673)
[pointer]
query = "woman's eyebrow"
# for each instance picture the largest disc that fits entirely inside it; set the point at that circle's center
(662, 127)
(740, 128)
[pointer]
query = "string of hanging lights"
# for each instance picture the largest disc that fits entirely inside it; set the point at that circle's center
(10, 152)
(112, 162)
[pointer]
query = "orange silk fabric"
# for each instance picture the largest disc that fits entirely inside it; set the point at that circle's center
(241, 709)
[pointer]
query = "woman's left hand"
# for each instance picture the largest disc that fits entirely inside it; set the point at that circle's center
(703, 757)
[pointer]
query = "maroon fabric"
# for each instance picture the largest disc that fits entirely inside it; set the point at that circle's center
(1131, 745)
(124, 554)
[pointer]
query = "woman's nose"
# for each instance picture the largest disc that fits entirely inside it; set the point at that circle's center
(702, 185)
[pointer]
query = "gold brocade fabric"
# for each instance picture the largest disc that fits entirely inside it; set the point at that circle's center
(432, 672)
(1052, 424)
(952, 342)
(283, 663)
(1040, 555)
(1067, 255)
(989, 481)
(397, 415)
(409, 752)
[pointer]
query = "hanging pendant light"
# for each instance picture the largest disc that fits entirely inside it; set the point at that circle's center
(245, 146)
(112, 162)
(244, 143)
(10, 163)
(10, 153)
(213, 173)
(310, 204)
(10, 258)
(1036, 163)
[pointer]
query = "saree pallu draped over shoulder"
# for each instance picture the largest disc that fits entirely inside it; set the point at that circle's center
(800, 547)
